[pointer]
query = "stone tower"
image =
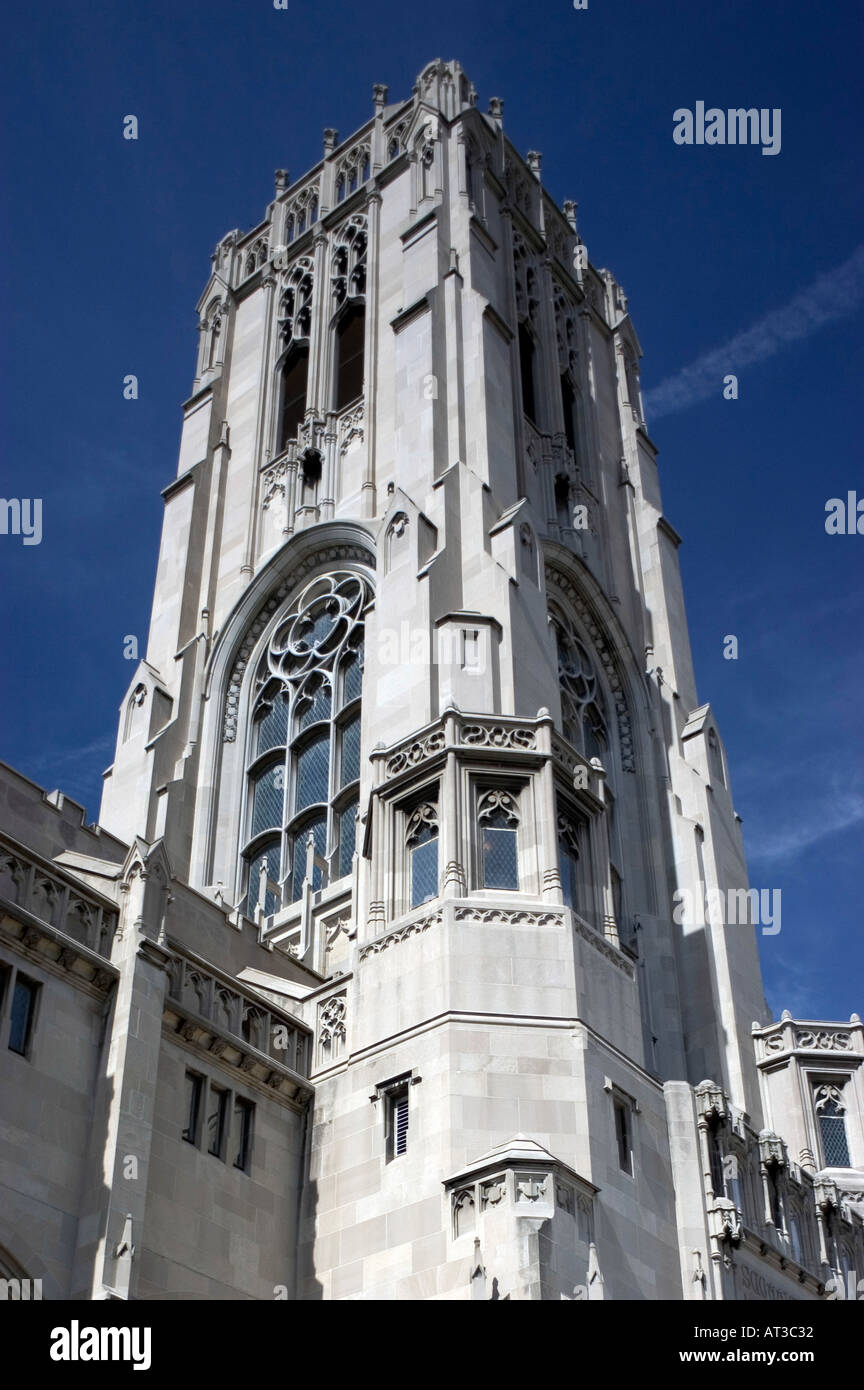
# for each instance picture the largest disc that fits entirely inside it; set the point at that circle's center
(417, 758)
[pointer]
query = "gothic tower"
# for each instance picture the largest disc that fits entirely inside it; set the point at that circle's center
(418, 749)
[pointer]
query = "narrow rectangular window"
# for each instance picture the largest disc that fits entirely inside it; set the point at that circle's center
(715, 1157)
(422, 843)
(623, 1135)
(194, 1086)
(470, 649)
(499, 856)
(526, 365)
(217, 1114)
(23, 1010)
(243, 1113)
(397, 1123)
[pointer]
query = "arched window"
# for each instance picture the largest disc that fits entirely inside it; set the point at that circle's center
(295, 378)
(583, 720)
(831, 1114)
(422, 841)
(303, 764)
(498, 819)
(350, 336)
(526, 368)
(569, 854)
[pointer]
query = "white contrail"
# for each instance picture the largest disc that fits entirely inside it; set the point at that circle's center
(831, 296)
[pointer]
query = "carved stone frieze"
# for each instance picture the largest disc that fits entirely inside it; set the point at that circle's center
(420, 924)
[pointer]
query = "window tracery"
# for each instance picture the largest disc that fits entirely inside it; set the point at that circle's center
(583, 718)
(303, 765)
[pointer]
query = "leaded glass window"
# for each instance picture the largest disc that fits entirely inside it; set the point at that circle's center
(352, 675)
(272, 725)
(568, 859)
(499, 823)
(350, 770)
(831, 1113)
(313, 772)
(304, 756)
(422, 841)
(347, 833)
(267, 798)
(314, 703)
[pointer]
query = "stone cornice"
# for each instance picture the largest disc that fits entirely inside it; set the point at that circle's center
(61, 955)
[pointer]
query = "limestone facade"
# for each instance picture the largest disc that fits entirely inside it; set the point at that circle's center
(370, 982)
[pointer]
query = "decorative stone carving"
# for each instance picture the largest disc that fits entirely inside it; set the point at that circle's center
(823, 1039)
(351, 427)
(532, 1187)
(772, 1150)
(711, 1100)
(352, 171)
(414, 753)
(516, 917)
(333, 554)
(497, 736)
(464, 1211)
(493, 1192)
(256, 256)
(565, 1198)
(301, 212)
(273, 481)
(420, 924)
(348, 266)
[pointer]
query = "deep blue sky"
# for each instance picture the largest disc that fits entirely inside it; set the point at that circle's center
(106, 248)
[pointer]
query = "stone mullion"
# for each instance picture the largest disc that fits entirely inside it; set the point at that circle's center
(318, 384)
(452, 877)
(515, 375)
(552, 415)
(329, 488)
(380, 851)
(202, 348)
(454, 366)
(548, 819)
(370, 349)
(290, 503)
(264, 391)
(587, 423)
(599, 840)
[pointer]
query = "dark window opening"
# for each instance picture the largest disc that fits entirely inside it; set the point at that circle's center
(715, 1158)
(526, 366)
(310, 477)
(623, 1136)
(295, 375)
(23, 1009)
(193, 1091)
(243, 1112)
(568, 404)
(562, 501)
(350, 334)
(775, 1198)
(216, 1121)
